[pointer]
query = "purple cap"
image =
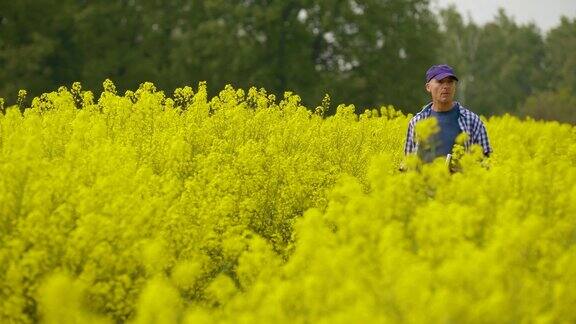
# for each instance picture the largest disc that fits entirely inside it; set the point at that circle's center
(440, 72)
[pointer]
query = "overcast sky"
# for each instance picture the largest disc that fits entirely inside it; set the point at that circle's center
(545, 13)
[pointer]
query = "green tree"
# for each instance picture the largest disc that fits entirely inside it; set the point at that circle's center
(31, 56)
(560, 58)
(500, 63)
(380, 51)
(557, 102)
(551, 105)
(460, 47)
(508, 66)
(368, 53)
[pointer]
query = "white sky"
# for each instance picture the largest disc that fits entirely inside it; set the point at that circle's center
(545, 13)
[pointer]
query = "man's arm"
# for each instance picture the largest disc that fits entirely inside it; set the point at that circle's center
(481, 138)
(410, 145)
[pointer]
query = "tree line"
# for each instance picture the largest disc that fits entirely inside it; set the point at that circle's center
(367, 53)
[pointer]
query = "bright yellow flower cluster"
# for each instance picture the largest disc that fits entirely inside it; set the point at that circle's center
(248, 208)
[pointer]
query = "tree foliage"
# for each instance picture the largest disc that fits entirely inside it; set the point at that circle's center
(501, 62)
(365, 53)
(356, 51)
(556, 101)
(509, 68)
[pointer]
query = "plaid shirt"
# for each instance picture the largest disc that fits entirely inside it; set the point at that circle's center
(468, 121)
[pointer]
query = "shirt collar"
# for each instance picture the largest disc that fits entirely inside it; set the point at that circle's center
(427, 111)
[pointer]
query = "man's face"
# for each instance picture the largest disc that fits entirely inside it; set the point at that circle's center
(442, 91)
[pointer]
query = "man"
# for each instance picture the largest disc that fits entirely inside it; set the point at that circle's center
(452, 118)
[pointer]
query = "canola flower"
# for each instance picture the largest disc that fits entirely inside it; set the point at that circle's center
(245, 207)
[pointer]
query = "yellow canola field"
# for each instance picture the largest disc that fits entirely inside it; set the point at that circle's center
(246, 208)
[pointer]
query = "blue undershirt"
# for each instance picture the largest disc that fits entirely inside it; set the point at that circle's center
(442, 142)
